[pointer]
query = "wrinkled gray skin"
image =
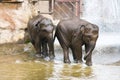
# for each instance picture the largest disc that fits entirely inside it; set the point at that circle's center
(74, 33)
(40, 30)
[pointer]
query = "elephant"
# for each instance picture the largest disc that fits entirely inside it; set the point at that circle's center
(73, 33)
(40, 30)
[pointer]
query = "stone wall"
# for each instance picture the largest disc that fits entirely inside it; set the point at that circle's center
(14, 17)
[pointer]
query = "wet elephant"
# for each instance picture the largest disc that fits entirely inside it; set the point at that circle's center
(40, 30)
(74, 33)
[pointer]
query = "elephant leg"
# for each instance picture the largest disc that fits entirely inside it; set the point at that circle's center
(51, 49)
(44, 49)
(77, 54)
(74, 56)
(37, 47)
(32, 41)
(88, 49)
(66, 55)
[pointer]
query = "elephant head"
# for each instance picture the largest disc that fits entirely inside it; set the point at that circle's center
(46, 25)
(89, 34)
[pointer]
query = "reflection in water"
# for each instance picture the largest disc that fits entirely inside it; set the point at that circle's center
(43, 71)
(25, 71)
(73, 71)
(51, 71)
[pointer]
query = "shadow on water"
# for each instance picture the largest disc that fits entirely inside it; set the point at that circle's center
(17, 62)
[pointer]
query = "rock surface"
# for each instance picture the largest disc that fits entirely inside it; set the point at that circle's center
(14, 17)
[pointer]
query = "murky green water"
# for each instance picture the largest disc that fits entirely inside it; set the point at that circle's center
(17, 62)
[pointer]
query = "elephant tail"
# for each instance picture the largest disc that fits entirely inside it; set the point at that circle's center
(82, 29)
(54, 37)
(55, 34)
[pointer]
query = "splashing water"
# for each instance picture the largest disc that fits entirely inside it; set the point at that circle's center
(105, 13)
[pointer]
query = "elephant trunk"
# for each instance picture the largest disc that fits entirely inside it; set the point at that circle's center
(89, 48)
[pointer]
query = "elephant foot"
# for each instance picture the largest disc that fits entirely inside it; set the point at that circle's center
(46, 58)
(78, 61)
(88, 60)
(38, 55)
(44, 54)
(51, 57)
(88, 63)
(75, 61)
(67, 61)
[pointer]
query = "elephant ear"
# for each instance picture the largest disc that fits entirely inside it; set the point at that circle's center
(44, 22)
(40, 24)
(82, 29)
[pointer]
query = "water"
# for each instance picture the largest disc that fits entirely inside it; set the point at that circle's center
(51, 71)
(17, 62)
(107, 48)
(104, 13)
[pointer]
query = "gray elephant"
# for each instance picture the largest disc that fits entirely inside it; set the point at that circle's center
(73, 33)
(40, 30)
